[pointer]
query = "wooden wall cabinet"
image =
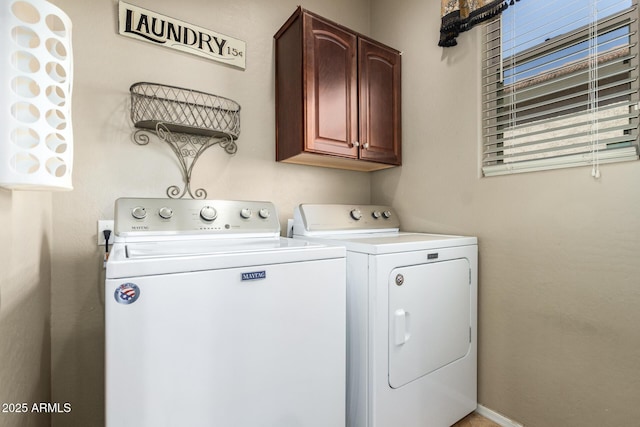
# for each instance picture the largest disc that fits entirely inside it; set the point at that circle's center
(337, 96)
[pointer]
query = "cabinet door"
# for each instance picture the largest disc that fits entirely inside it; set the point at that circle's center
(330, 68)
(379, 103)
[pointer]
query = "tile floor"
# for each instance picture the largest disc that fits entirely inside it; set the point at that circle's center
(475, 420)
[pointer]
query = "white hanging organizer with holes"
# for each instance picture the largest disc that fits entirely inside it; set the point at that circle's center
(36, 67)
(189, 121)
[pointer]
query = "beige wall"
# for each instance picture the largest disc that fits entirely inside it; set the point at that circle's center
(558, 251)
(559, 272)
(109, 165)
(25, 285)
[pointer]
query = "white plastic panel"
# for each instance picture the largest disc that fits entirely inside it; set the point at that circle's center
(243, 347)
(429, 318)
(36, 77)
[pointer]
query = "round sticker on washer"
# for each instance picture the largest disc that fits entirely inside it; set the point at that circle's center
(127, 293)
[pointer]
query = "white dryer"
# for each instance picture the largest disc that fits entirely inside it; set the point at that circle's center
(213, 319)
(411, 316)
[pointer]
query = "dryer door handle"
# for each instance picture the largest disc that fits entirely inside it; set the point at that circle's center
(402, 323)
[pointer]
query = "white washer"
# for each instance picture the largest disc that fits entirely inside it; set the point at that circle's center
(212, 319)
(411, 316)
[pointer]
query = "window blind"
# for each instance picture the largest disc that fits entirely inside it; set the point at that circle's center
(560, 86)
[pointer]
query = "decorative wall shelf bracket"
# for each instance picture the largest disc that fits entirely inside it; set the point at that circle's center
(187, 148)
(189, 121)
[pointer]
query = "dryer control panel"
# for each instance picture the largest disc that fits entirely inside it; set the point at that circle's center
(151, 217)
(312, 218)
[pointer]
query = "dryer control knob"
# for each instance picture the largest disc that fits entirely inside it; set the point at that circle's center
(264, 213)
(208, 213)
(165, 212)
(386, 214)
(139, 212)
(376, 214)
(356, 214)
(245, 213)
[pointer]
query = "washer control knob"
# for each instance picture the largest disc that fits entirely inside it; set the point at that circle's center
(264, 213)
(165, 212)
(356, 214)
(386, 214)
(139, 212)
(208, 213)
(376, 214)
(245, 213)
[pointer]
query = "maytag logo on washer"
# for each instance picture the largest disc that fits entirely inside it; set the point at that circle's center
(127, 293)
(254, 275)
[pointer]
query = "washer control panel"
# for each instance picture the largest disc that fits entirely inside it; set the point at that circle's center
(143, 216)
(331, 217)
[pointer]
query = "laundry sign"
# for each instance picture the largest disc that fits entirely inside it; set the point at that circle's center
(146, 25)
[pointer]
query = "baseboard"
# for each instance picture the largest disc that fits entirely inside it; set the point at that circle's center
(496, 417)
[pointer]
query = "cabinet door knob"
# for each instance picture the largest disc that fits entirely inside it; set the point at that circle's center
(356, 143)
(365, 145)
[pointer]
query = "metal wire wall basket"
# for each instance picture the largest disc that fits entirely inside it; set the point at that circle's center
(184, 110)
(189, 121)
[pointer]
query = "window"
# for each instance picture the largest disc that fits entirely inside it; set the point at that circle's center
(560, 86)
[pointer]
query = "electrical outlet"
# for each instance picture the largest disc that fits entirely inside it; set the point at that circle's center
(105, 224)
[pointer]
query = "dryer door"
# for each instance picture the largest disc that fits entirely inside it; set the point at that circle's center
(429, 318)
